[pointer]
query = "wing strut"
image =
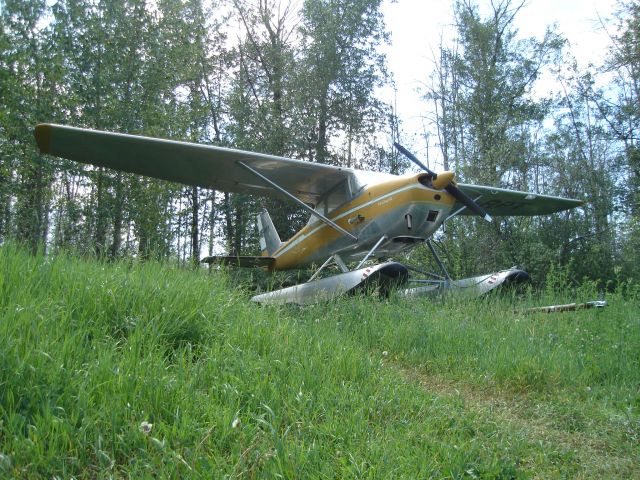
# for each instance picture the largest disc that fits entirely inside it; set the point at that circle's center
(321, 217)
(461, 209)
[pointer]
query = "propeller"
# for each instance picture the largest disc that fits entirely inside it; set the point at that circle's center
(451, 187)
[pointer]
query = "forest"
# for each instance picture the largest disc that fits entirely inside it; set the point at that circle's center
(302, 80)
(122, 358)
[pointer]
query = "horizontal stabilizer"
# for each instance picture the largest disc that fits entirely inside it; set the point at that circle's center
(240, 261)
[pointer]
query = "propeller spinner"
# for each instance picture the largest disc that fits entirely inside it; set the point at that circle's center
(450, 187)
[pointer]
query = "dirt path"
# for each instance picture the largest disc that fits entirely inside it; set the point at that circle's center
(596, 456)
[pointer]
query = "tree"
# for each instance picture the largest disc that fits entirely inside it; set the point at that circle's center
(487, 119)
(341, 67)
(622, 112)
(32, 77)
(580, 158)
(263, 108)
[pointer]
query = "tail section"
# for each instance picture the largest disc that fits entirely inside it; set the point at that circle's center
(269, 238)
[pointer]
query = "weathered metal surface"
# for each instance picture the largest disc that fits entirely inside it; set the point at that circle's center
(383, 276)
(568, 307)
(386, 276)
(473, 286)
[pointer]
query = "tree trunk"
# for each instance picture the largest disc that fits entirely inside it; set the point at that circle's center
(31, 215)
(195, 239)
(230, 234)
(100, 237)
(114, 248)
(321, 144)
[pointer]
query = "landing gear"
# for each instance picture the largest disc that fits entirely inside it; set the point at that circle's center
(472, 286)
(384, 278)
(438, 261)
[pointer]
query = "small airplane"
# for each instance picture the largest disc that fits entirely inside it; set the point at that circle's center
(355, 215)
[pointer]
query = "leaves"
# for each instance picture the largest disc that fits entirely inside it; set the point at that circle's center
(300, 80)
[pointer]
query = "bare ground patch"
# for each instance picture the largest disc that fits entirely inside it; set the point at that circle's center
(597, 455)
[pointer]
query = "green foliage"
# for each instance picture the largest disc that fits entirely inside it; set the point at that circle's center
(302, 83)
(340, 68)
(492, 130)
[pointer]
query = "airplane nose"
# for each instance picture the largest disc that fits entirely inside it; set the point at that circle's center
(442, 180)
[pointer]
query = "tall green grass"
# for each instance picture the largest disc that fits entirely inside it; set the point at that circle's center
(358, 388)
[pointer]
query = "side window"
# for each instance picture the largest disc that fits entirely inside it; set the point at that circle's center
(352, 185)
(322, 206)
(335, 197)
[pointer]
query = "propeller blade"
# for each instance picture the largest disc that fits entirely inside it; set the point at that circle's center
(451, 188)
(413, 158)
(467, 201)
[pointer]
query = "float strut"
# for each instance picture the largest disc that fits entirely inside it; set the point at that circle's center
(438, 261)
(384, 237)
(327, 261)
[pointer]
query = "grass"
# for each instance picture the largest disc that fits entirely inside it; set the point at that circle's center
(358, 388)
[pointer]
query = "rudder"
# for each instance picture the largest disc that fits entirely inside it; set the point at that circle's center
(269, 238)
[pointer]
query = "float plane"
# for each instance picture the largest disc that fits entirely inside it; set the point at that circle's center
(355, 215)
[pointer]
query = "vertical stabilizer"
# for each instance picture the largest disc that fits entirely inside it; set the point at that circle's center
(269, 238)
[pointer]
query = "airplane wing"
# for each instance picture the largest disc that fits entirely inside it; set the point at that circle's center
(500, 201)
(190, 163)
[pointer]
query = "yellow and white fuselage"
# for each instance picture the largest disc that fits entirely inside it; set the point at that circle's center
(405, 210)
